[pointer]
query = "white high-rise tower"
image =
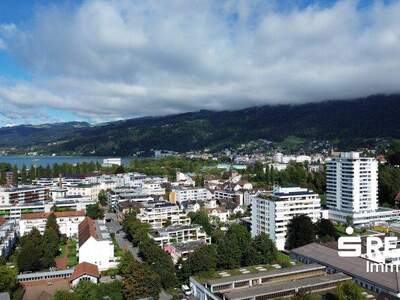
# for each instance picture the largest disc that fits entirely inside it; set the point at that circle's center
(352, 189)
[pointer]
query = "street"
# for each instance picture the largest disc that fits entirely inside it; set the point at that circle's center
(123, 242)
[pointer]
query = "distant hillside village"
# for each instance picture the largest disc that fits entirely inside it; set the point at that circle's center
(249, 226)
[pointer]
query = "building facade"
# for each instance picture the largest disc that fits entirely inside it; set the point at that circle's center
(272, 214)
(352, 190)
(95, 244)
(176, 234)
(68, 222)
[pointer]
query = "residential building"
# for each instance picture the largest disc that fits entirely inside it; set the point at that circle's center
(8, 236)
(163, 213)
(84, 271)
(16, 211)
(23, 194)
(109, 162)
(182, 194)
(179, 234)
(85, 189)
(264, 284)
(77, 202)
(68, 222)
(182, 250)
(272, 214)
(352, 190)
(95, 244)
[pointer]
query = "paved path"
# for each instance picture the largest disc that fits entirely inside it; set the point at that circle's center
(120, 236)
(123, 242)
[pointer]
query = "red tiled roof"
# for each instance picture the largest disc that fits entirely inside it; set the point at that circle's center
(58, 214)
(86, 229)
(85, 268)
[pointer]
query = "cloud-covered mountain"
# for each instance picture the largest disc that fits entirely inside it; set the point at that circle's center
(348, 123)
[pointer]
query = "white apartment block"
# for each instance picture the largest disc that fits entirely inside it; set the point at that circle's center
(114, 161)
(161, 214)
(68, 222)
(176, 234)
(181, 194)
(272, 214)
(8, 236)
(352, 190)
(151, 188)
(95, 244)
(23, 194)
(91, 189)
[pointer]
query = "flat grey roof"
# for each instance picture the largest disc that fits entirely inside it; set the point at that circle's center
(271, 273)
(353, 266)
(43, 274)
(271, 288)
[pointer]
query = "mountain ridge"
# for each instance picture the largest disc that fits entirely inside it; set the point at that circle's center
(346, 121)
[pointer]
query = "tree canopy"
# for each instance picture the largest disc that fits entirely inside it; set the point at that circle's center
(301, 231)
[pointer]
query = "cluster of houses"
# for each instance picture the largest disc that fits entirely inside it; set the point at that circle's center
(165, 205)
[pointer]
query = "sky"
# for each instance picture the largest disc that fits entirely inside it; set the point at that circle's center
(99, 61)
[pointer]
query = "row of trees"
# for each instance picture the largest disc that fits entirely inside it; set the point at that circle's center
(39, 251)
(26, 174)
(302, 231)
(295, 173)
(169, 165)
(232, 249)
(87, 290)
(158, 261)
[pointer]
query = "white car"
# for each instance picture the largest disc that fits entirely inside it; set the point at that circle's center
(186, 290)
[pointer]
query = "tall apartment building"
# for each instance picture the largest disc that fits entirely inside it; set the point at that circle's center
(272, 214)
(352, 190)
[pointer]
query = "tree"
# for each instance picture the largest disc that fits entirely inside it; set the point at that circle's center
(140, 282)
(349, 220)
(52, 223)
(201, 218)
(160, 262)
(326, 230)
(119, 170)
(350, 291)
(94, 211)
(103, 198)
(301, 232)
(229, 254)
(64, 295)
(265, 248)
(203, 259)
(393, 154)
(30, 254)
(7, 279)
(49, 247)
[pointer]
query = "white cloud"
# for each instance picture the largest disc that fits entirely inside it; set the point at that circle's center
(110, 59)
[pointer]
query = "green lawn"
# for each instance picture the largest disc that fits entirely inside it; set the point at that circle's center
(117, 250)
(72, 255)
(341, 230)
(282, 259)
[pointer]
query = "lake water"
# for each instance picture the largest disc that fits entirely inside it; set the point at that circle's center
(49, 160)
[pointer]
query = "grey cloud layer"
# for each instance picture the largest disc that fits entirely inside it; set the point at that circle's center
(128, 58)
